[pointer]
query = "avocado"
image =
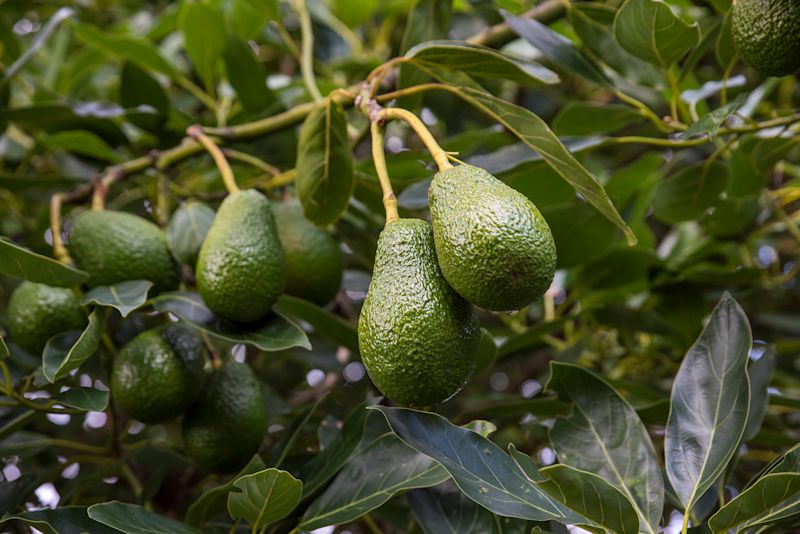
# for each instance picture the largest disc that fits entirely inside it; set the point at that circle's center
(241, 269)
(37, 312)
(224, 428)
(493, 245)
(313, 258)
(767, 34)
(159, 373)
(114, 246)
(418, 339)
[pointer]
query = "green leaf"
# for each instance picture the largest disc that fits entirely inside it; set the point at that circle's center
(589, 118)
(66, 352)
(88, 399)
(264, 497)
(124, 297)
(760, 374)
(22, 263)
(487, 352)
(478, 61)
(650, 30)
(709, 403)
(3, 348)
(22, 182)
(325, 178)
(203, 37)
(531, 337)
(371, 478)
(125, 47)
(772, 498)
(688, 193)
(592, 497)
(137, 88)
(14, 492)
(133, 519)
(325, 323)
(726, 48)
(556, 47)
(62, 520)
(603, 435)
(187, 229)
(581, 234)
(82, 143)
(710, 123)
(427, 21)
(214, 501)
(281, 450)
(248, 17)
(533, 131)
(91, 116)
(247, 76)
(273, 333)
(480, 468)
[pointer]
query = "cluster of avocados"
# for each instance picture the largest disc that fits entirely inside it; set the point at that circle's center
(767, 34)
(248, 258)
(487, 245)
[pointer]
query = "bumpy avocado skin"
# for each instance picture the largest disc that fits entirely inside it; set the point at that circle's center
(224, 428)
(767, 34)
(241, 269)
(37, 312)
(418, 339)
(313, 258)
(114, 246)
(159, 373)
(493, 245)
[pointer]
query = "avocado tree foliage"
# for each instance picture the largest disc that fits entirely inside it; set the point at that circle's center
(654, 385)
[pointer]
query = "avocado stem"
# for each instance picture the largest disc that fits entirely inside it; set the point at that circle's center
(59, 250)
(378, 156)
(196, 133)
(437, 152)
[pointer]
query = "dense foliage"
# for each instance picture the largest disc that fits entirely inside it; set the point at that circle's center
(654, 385)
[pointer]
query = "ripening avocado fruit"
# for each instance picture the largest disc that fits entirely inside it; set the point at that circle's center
(313, 258)
(417, 337)
(767, 34)
(114, 246)
(241, 268)
(224, 428)
(494, 247)
(159, 373)
(37, 312)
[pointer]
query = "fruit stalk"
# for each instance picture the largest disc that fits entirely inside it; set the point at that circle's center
(196, 133)
(437, 152)
(389, 199)
(59, 250)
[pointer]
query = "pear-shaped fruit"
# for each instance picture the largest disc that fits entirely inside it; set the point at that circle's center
(224, 428)
(767, 34)
(37, 312)
(418, 339)
(159, 373)
(241, 269)
(493, 245)
(313, 258)
(114, 246)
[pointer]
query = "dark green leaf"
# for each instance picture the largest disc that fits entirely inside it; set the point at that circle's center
(214, 502)
(22, 182)
(650, 30)
(726, 49)
(138, 88)
(62, 520)
(773, 497)
(88, 399)
(760, 375)
(248, 17)
(91, 116)
(124, 297)
(82, 143)
(264, 497)
(187, 230)
(588, 118)
(22, 263)
(325, 323)
(203, 37)
(14, 492)
(273, 333)
(126, 47)
(65, 352)
(581, 234)
(428, 20)
(686, 194)
(133, 519)
(325, 178)
(282, 449)
(247, 76)
(709, 403)
(3, 348)
(487, 352)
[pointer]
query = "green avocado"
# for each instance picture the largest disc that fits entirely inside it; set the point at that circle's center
(159, 373)
(241, 269)
(313, 258)
(37, 312)
(224, 428)
(418, 339)
(114, 246)
(767, 34)
(493, 245)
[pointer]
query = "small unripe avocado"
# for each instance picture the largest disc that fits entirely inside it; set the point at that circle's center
(418, 339)
(241, 269)
(37, 312)
(493, 245)
(224, 428)
(313, 258)
(114, 246)
(767, 34)
(159, 373)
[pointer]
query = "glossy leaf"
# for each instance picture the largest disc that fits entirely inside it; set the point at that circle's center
(214, 502)
(533, 131)
(82, 143)
(603, 435)
(709, 403)
(772, 498)
(650, 30)
(62, 520)
(66, 352)
(126, 47)
(588, 118)
(264, 497)
(324, 322)
(273, 333)
(22, 263)
(686, 194)
(247, 76)
(82, 398)
(187, 229)
(204, 38)
(133, 519)
(124, 297)
(325, 178)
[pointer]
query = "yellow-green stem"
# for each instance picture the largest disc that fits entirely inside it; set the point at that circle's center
(196, 132)
(437, 152)
(251, 160)
(307, 57)
(59, 250)
(378, 156)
